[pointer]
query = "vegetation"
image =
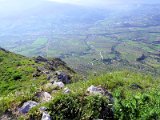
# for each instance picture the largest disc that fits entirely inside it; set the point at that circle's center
(17, 81)
(135, 95)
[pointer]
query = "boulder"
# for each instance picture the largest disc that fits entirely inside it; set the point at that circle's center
(27, 106)
(46, 116)
(63, 77)
(99, 91)
(59, 85)
(94, 90)
(66, 90)
(45, 97)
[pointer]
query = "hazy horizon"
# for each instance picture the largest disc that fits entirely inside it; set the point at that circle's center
(92, 32)
(14, 6)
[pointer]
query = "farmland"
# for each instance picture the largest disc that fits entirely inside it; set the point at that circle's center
(92, 40)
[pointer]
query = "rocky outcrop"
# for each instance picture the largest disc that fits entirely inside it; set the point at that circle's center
(49, 67)
(40, 59)
(63, 77)
(27, 106)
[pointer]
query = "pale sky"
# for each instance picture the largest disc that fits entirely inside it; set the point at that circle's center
(105, 2)
(14, 6)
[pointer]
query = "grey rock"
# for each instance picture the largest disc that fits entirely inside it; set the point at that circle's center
(99, 91)
(63, 77)
(66, 91)
(27, 106)
(45, 97)
(94, 90)
(59, 85)
(42, 109)
(46, 116)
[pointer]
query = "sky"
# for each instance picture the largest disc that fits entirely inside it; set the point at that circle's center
(14, 6)
(106, 2)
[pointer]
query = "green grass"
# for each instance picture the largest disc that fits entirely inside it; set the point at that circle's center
(15, 71)
(129, 103)
(17, 83)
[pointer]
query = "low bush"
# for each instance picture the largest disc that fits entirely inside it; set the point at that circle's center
(77, 107)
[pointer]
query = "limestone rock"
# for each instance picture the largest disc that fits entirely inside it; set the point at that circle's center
(45, 97)
(59, 85)
(66, 90)
(99, 91)
(46, 116)
(27, 106)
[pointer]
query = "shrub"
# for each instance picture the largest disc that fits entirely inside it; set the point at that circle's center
(77, 107)
(66, 108)
(17, 76)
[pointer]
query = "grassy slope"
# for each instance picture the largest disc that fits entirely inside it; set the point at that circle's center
(129, 103)
(16, 72)
(17, 83)
(16, 75)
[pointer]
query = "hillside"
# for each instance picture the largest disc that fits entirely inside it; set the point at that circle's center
(21, 77)
(40, 88)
